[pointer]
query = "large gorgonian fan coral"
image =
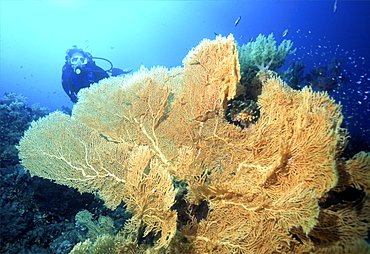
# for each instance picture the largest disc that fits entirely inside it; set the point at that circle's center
(130, 139)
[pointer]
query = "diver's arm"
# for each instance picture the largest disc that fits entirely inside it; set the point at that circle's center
(67, 88)
(99, 73)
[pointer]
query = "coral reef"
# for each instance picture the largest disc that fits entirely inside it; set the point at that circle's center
(327, 78)
(28, 221)
(322, 78)
(15, 117)
(294, 75)
(37, 216)
(160, 138)
(262, 54)
(104, 225)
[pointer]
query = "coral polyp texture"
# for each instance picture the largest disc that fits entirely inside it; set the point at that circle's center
(144, 138)
(263, 54)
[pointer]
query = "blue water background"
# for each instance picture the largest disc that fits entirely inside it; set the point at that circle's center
(36, 34)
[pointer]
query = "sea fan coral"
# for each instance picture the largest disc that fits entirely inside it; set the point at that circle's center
(136, 139)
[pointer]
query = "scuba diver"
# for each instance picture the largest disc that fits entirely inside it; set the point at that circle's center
(80, 71)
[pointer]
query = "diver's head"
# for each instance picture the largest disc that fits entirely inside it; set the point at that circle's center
(77, 62)
(77, 58)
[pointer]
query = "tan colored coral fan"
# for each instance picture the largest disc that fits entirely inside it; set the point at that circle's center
(267, 179)
(130, 139)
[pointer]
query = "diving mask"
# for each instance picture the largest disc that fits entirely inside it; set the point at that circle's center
(78, 60)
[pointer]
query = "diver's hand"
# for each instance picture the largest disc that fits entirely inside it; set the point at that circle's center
(74, 99)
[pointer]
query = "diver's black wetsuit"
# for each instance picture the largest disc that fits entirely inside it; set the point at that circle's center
(73, 82)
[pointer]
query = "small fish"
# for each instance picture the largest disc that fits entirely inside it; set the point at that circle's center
(237, 21)
(215, 33)
(251, 39)
(286, 31)
(335, 6)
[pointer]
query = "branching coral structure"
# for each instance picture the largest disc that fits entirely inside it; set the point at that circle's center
(263, 54)
(131, 139)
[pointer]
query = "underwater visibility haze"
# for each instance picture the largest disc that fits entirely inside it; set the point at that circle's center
(185, 157)
(36, 34)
